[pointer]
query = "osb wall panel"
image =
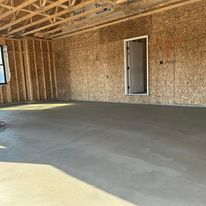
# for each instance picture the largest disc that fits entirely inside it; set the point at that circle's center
(32, 69)
(92, 63)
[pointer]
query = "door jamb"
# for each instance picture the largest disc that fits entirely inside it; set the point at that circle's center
(126, 64)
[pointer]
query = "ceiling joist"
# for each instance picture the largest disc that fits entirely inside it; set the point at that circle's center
(57, 18)
(17, 8)
(37, 12)
(67, 19)
(56, 15)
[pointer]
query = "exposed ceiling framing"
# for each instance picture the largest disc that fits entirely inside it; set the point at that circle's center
(57, 18)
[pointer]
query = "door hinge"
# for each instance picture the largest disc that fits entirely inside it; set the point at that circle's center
(127, 68)
(127, 48)
(128, 87)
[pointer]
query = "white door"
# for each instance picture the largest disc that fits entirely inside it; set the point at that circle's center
(136, 67)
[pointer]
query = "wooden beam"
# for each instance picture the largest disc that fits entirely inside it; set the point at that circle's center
(50, 73)
(61, 6)
(2, 8)
(101, 18)
(73, 2)
(66, 20)
(28, 71)
(1, 96)
(53, 16)
(9, 7)
(36, 6)
(38, 22)
(54, 72)
(44, 3)
(15, 72)
(26, 10)
(52, 31)
(21, 6)
(84, 24)
(22, 70)
(35, 70)
(43, 70)
(37, 12)
(96, 26)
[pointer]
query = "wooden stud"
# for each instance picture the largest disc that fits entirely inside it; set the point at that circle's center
(54, 71)
(50, 73)
(35, 70)
(43, 72)
(28, 70)
(15, 72)
(1, 96)
(11, 87)
(22, 70)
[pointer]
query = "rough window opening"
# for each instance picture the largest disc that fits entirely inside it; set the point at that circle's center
(136, 66)
(4, 65)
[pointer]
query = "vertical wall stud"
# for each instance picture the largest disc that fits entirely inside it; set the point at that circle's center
(28, 73)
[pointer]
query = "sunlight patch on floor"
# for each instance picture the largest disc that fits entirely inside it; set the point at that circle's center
(37, 184)
(35, 106)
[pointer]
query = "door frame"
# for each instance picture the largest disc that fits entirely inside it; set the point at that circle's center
(126, 65)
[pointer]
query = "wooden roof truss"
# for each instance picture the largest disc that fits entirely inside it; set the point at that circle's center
(56, 18)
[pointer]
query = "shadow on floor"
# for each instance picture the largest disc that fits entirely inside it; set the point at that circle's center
(138, 154)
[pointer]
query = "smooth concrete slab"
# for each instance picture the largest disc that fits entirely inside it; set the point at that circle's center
(83, 154)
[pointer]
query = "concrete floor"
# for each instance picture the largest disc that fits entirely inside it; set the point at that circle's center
(85, 154)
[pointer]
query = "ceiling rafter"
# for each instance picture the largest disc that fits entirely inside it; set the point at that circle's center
(36, 12)
(56, 18)
(35, 6)
(73, 2)
(17, 8)
(68, 10)
(61, 6)
(146, 13)
(44, 3)
(76, 24)
(2, 8)
(67, 19)
(25, 10)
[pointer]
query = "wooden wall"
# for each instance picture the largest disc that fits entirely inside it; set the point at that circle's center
(92, 63)
(33, 75)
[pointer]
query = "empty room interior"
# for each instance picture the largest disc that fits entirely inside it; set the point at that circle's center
(102, 102)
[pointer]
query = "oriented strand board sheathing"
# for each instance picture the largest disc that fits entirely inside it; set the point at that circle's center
(92, 63)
